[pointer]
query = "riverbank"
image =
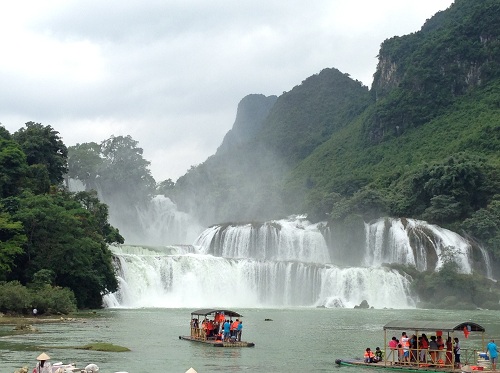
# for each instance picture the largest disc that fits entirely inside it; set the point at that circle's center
(22, 319)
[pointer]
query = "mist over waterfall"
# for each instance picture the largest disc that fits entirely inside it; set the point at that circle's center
(283, 263)
(152, 222)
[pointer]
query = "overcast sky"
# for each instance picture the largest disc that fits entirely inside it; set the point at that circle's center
(170, 73)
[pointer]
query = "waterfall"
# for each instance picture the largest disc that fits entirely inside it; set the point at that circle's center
(413, 242)
(287, 239)
(284, 263)
(152, 222)
(151, 278)
(162, 224)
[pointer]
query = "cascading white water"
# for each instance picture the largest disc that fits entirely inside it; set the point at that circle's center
(286, 239)
(281, 263)
(413, 242)
(162, 224)
(149, 278)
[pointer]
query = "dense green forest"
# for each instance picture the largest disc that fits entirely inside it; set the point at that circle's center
(54, 253)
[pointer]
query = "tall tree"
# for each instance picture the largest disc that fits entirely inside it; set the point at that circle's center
(43, 146)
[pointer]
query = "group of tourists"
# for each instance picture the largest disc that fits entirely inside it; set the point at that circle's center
(218, 329)
(423, 350)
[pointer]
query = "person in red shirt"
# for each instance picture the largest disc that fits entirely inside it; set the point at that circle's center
(234, 327)
(393, 346)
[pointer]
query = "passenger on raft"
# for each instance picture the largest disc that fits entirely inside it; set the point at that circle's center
(369, 356)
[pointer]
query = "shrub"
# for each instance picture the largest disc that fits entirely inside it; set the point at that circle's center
(14, 298)
(53, 300)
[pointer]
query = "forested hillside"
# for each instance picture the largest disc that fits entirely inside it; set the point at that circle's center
(423, 142)
(53, 244)
(244, 179)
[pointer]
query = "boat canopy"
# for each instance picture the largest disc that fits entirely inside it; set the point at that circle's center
(209, 311)
(445, 326)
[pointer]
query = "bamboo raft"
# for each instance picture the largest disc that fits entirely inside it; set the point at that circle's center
(215, 343)
(199, 335)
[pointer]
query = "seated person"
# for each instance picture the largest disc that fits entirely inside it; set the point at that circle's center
(378, 355)
(369, 356)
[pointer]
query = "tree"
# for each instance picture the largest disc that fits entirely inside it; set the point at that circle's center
(62, 237)
(116, 168)
(165, 187)
(43, 145)
(13, 168)
(12, 238)
(84, 163)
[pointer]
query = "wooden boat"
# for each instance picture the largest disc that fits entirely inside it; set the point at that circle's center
(202, 335)
(440, 360)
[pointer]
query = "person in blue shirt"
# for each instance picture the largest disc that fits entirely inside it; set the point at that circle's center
(227, 328)
(493, 351)
(238, 331)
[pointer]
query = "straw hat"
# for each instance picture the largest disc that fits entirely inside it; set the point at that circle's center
(43, 356)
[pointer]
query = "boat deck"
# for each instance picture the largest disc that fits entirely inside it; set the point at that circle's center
(215, 343)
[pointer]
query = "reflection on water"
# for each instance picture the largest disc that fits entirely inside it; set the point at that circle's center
(297, 340)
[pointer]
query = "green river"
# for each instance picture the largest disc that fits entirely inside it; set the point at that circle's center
(296, 340)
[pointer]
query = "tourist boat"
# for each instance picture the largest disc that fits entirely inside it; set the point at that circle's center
(439, 360)
(200, 334)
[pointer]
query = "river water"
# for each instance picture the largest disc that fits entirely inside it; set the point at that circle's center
(296, 340)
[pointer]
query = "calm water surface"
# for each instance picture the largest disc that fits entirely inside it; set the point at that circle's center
(297, 340)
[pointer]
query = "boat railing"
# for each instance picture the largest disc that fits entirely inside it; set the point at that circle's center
(427, 357)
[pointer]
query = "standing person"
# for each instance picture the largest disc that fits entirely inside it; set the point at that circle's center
(449, 348)
(405, 342)
(234, 328)
(424, 345)
(227, 330)
(493, 351)
(239, 330)
(433, 349)
(393, 346)
(457, 353)
(43, 366)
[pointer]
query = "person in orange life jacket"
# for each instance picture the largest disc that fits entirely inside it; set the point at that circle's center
(401, 354)
(440, 342)
(369, 356)
(424, 345)
(234, 327)
(405, 342)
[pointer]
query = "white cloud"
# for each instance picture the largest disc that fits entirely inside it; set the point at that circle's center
(171, 73)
